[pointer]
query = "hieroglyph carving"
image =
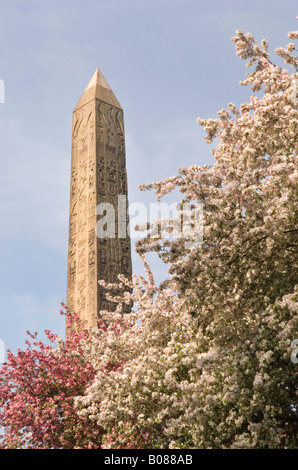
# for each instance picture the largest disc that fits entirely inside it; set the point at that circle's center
(98, 176)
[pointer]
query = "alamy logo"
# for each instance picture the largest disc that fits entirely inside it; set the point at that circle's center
(294, 354)
(2, 351)
(294, 92)
(2, 92)
(165, 221)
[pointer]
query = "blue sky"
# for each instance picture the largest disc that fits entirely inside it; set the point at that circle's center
(167, 61)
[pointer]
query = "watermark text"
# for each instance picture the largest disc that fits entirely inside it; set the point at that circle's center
(164, 221)
(2, 351)
(2, 91)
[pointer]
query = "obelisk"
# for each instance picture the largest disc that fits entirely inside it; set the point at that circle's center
(98, 181)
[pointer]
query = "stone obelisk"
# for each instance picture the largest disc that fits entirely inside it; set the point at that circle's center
(98, 182)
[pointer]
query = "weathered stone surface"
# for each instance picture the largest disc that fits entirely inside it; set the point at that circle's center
(98, 175)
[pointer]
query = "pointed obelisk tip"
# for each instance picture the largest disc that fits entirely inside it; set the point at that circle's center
(98, 88)
(98, 79)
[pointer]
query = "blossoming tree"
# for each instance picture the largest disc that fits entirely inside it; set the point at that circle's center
(211, 366)
(37, 390)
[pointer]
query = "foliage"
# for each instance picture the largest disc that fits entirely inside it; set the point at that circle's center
(37, 393)
(211, 366)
